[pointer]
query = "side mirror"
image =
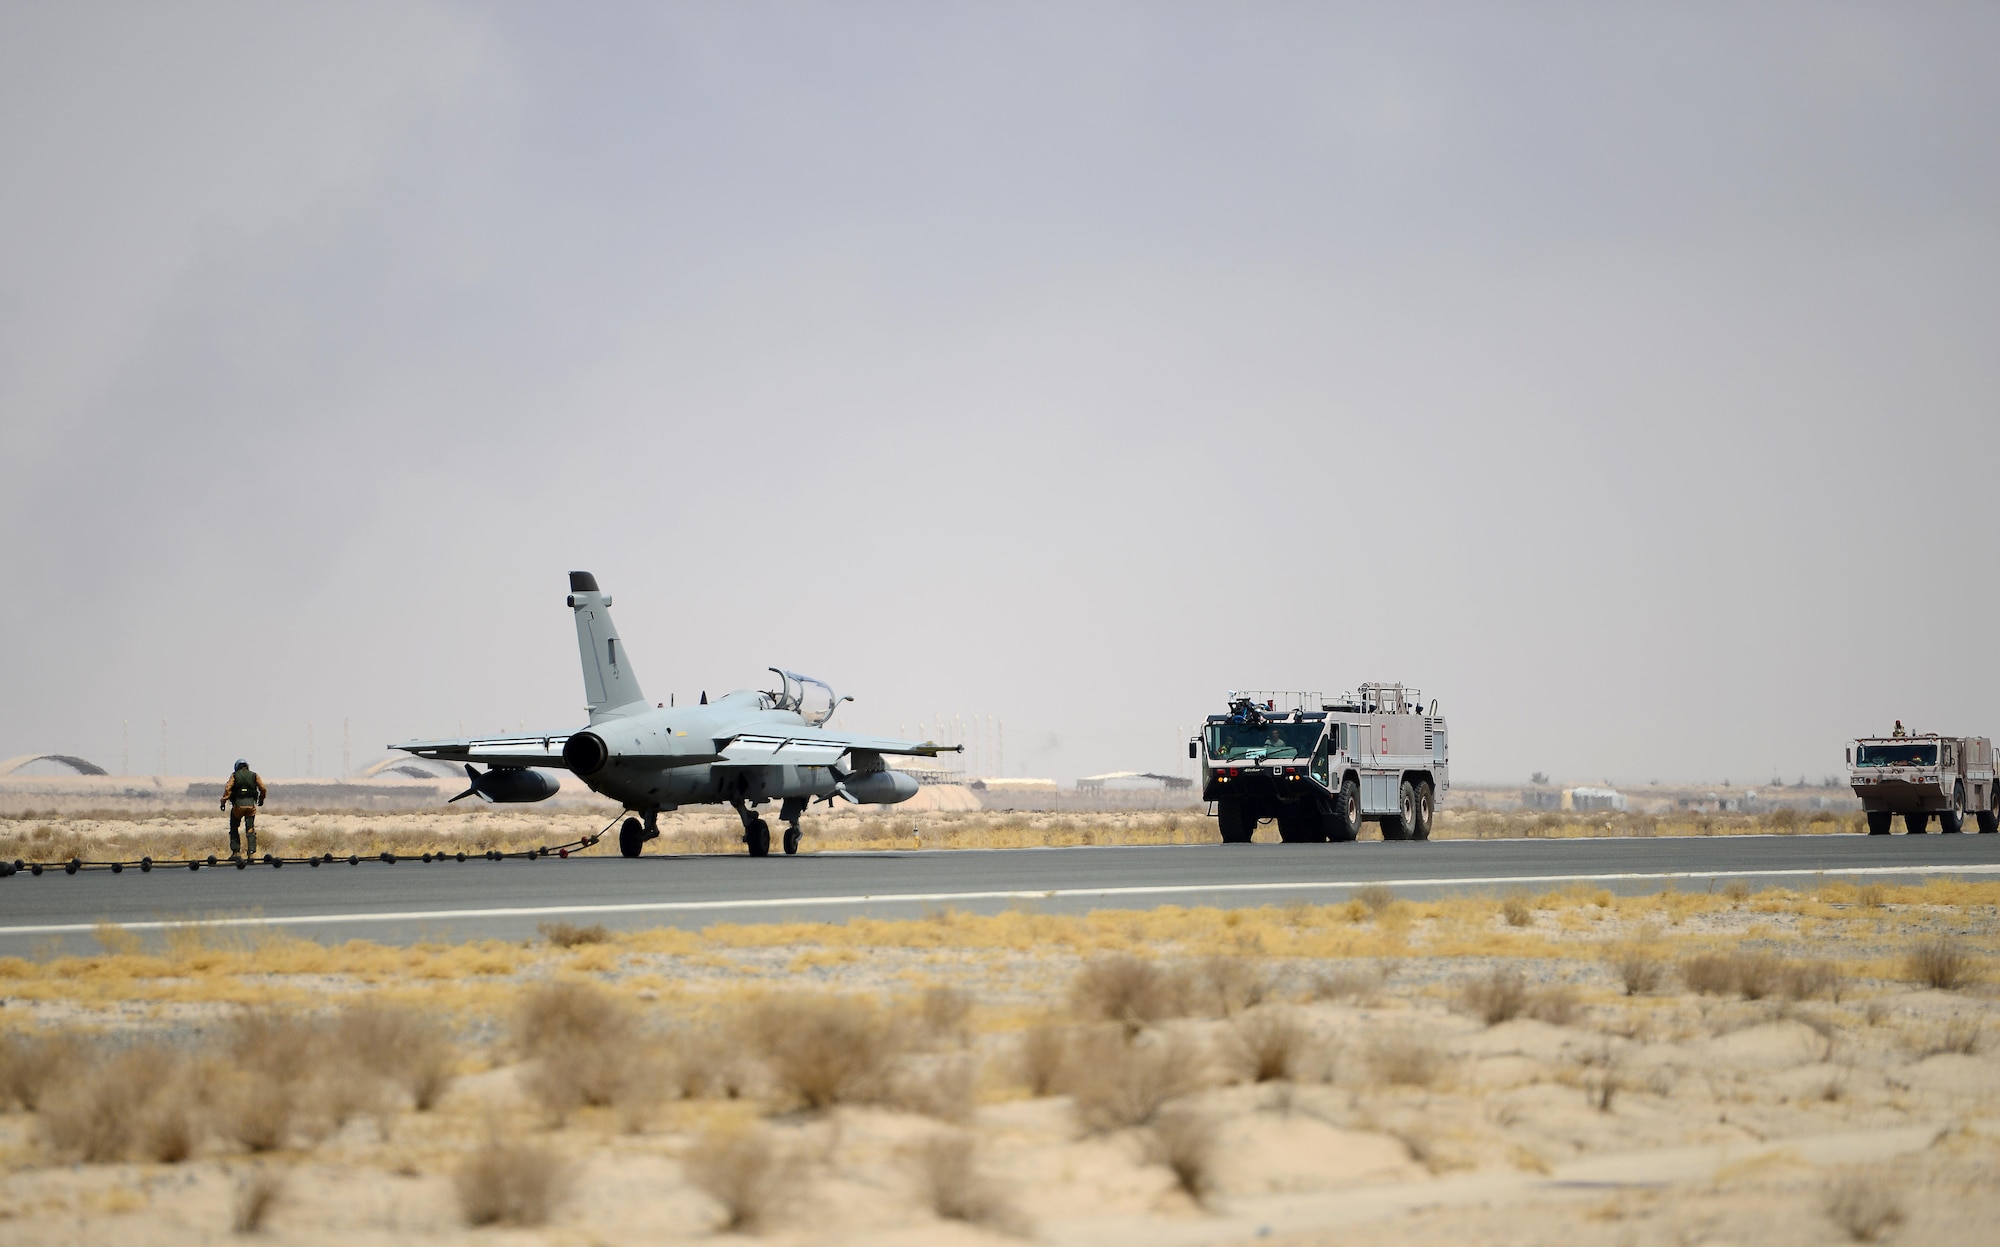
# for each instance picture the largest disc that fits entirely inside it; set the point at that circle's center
(1194, 749)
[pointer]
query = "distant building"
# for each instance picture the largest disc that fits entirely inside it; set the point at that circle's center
(1127, 780)
(1594, 799)
(1541, 799)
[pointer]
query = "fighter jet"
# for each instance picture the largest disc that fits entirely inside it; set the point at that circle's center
(745, 748)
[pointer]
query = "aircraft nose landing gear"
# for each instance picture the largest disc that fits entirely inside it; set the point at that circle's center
(632, 834)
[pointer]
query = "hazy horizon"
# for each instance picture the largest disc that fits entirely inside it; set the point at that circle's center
(1623, 377)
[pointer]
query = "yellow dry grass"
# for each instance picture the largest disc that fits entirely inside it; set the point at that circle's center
(180, 834)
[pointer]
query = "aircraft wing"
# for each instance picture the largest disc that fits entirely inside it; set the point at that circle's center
(814, 747)
(545, 750)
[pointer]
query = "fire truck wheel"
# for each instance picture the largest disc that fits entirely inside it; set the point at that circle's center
(1989, 819)
(1916, 824)
(631, 837)
(1229, 820)
(1878, 822)
(1401, 824)
(1425, 804)
(1952, 821)
(1345, 823)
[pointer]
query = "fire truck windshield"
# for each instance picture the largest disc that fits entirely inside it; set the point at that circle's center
(1229, 742)
(1896, 755)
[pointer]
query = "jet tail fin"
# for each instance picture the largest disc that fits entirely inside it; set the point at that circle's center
(610, 688)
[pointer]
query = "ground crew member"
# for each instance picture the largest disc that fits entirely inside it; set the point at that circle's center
(242, 793)
(1899, 732)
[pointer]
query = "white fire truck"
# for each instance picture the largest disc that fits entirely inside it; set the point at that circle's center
(1918, 776)
(1322, 767)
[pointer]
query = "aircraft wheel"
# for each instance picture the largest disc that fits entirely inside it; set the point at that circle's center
(1952, 821)
(791, 841)
(758, 837)
(631, 837)
(1917, 824)
(1878, 822)
(1346, 822)
(1426, 806)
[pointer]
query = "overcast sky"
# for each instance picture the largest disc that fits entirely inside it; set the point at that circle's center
(1623, 375)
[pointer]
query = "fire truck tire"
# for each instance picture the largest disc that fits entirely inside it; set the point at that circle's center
(1345, 822)
(1878, 822)
(1952, 821)
(1300, 825)
(631, 837)
(1400, 825)
(1229, 820)
(1989, 819)
(1917, 824)
(1425, 808)
(758, 837)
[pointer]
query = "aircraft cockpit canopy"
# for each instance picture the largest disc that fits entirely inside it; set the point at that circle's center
(810, 699)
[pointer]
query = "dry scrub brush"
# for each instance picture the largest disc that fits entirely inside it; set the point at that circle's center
(565, 935)
(1504, 995)
(1226, 986)
(1042, 1058)
(1943, 963)
(410, 1050)
(1640, 969)
(1128, 990)
(1118, 1084)
(1357, 985)
(587, 1049)
(1406, 1058)
(746, 1173)
(256, 1196)
(951, 1183)
(824, 1050)
(1864, 1206)
(1755, 976)
(508, 1182)
(1266, 1045)
(945, 1014)
(138, 1104)
(945, 1088)
(1184, 1140)
(1375, 899)
(34, 1065)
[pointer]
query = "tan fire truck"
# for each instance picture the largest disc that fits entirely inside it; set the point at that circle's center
(1918, 776)
(1321, 767)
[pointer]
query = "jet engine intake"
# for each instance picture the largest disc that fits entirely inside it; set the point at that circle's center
(880, 787)
(585, 753)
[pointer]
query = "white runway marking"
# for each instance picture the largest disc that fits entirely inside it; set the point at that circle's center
(934, 898)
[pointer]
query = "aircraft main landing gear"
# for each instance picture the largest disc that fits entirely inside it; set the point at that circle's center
(756, 832)
(790, 812)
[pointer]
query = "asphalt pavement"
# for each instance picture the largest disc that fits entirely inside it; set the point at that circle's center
(411, 901)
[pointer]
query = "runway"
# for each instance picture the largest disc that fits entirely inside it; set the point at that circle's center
(412, 901)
